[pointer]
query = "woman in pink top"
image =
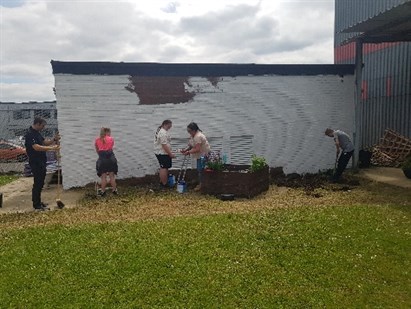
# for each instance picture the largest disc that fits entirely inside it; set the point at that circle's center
(106, 164)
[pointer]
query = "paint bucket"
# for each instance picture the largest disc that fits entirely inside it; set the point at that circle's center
(181, 186)
(171, 180)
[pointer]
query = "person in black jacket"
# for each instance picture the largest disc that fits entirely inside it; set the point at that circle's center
(36, 147)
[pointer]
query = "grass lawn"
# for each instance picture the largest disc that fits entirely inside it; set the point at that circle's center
(283, 249)
(5, 179)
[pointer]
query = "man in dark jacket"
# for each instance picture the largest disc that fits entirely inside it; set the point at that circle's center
(36, 147)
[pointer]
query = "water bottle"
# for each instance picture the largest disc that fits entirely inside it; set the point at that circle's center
(224, 158)
(171, 180)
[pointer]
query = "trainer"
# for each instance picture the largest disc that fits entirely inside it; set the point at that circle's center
(342, 142)
(36, 147)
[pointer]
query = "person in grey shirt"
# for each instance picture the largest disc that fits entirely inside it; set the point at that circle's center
(344, 146)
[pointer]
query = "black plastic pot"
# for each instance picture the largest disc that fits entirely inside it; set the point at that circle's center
(407, 172)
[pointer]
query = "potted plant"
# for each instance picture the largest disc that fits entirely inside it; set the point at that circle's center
(406, 167)
(257, 164)
(214, 162)
(238, 180)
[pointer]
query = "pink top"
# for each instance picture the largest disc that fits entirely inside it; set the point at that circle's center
(108, 145)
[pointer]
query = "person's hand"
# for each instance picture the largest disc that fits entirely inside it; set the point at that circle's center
(172, 156)
(55, 147)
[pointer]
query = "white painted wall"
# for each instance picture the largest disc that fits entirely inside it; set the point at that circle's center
(282, 118)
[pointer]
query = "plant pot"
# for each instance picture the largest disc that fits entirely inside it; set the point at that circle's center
(235, 180)
(407, 172)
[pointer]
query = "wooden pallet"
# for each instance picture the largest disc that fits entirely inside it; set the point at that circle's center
(392, 150)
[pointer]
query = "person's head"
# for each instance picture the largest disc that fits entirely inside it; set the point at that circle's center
(167, 124)
(104, 132)
(329, 132)
(39, 123)
(192, 128)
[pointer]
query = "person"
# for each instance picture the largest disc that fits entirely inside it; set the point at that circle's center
(36, 147)
(342, 143)
(163, 152)
(106, 164)
(199, 148)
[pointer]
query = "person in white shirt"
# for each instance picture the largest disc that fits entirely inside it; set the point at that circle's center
(199, 148)
(162, 150)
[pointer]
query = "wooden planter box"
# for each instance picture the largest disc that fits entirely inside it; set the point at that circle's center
(237, 180)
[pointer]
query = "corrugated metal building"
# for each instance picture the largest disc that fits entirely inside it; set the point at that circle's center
(385, 100)
(276, 111)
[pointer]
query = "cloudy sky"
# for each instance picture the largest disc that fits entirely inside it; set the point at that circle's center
(220, 31)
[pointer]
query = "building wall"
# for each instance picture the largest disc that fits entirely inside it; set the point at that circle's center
(16, 118)
(386, 84)
(282, 118)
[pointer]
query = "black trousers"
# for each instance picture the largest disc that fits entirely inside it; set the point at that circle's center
(342, 164)
(39, 174)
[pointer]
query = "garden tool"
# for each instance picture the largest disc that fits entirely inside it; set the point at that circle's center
(60, 204)
(181, 184)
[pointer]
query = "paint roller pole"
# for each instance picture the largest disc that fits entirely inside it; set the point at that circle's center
(358, 96)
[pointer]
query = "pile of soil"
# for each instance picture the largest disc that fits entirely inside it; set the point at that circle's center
(310, 182)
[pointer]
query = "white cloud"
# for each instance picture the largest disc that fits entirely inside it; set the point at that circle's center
(248, 31)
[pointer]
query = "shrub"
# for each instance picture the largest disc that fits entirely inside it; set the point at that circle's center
(257, 163)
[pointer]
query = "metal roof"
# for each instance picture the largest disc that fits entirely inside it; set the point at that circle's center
(393, 25)
(197, 69)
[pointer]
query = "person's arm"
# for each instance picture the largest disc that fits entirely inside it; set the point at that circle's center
(38, 147)
(168, 151)
(337, 145)
(195, 149)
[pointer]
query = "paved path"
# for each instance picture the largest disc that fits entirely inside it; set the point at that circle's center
(17, 196)
(389, 175)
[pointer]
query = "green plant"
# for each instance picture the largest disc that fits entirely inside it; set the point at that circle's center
(214, 162)
(257, 163)
(5, 179)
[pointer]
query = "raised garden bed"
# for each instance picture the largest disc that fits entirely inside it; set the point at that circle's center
(237, 180)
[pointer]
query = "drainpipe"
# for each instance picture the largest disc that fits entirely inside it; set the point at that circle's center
(358, 94)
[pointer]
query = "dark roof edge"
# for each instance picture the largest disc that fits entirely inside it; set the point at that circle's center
(29, 102)
(197, 69)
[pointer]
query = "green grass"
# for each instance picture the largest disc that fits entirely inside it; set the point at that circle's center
(339, 256)
(5, 179)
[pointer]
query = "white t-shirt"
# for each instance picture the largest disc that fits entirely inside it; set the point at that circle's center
(162, 138)
(200, 138)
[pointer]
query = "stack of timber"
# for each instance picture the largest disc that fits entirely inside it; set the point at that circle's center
(392, 150)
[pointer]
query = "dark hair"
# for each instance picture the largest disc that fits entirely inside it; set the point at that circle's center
(165, 122)
(193, 126)
(39, 120)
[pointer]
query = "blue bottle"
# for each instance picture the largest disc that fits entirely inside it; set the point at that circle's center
(171, 180)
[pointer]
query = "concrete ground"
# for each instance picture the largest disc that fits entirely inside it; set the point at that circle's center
(389, 175)
(17, 196)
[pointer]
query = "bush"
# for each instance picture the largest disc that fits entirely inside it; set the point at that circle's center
(257, 163)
